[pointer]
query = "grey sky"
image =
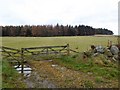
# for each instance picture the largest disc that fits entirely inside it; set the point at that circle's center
(95, 13)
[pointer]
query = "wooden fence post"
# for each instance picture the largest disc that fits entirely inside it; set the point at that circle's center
(47, 51)
(68, 49)
(22, 60)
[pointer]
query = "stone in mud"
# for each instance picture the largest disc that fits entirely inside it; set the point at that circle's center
(100, 49)
(114, 50)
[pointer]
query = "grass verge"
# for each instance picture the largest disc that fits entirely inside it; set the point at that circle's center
(10, 77)
(95, 65)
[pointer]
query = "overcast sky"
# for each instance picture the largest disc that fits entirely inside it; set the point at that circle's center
(95, 13)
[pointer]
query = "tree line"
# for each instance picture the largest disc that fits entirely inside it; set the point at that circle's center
(50, 30)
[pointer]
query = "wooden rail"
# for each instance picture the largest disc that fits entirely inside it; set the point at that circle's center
(47, 50)
(3, 47)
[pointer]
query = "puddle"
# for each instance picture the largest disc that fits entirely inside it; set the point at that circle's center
(47, 60)
(59, 67)
(50, 60)
(54, 65)
(26, 70)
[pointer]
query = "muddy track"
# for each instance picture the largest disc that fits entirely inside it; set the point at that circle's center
(47, 74)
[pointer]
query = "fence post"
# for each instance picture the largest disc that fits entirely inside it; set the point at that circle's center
(22, 60)
(47, 51)
(68, 49)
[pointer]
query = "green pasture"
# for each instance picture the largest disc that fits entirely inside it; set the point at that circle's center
(78, 43)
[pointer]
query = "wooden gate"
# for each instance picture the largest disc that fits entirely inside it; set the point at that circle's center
(20, 55)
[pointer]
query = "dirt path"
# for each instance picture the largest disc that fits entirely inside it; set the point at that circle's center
(47, 74)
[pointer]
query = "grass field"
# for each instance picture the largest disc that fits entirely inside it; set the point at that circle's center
(79, 43)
